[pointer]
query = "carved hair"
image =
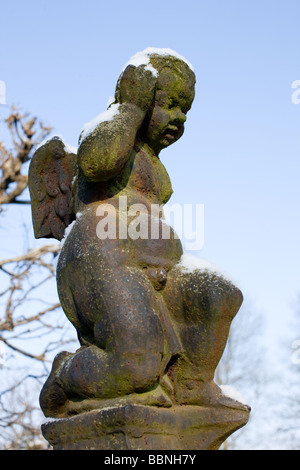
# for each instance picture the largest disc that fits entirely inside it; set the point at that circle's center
(157, 63)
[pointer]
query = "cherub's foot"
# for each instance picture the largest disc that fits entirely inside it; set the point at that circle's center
(53, 398)
(192, 392)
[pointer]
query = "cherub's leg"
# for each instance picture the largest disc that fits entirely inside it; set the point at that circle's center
(128, 342)
(202, 305)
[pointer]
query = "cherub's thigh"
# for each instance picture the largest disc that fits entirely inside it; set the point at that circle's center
(130, 312)
(201, 296)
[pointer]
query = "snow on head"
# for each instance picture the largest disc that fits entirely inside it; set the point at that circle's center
(190, 263)
(165, 52)
(152, 70)
(143, 58)
(138, 59)
(107, 115)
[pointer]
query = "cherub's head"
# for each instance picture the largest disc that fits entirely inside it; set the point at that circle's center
(173, 97)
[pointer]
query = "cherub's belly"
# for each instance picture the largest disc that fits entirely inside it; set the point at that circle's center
(91, 259)
(135, 236)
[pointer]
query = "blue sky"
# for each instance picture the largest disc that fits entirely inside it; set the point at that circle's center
(239, 155)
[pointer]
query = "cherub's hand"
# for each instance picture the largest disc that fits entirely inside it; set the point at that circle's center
(137, 86)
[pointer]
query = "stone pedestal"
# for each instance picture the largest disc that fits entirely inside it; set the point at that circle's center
(136, 427)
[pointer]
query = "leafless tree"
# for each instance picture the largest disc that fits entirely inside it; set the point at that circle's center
(32, 325)
(20, 415)
(288, 388)
(25, 135)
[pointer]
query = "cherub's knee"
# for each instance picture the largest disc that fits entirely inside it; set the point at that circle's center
(211, 296)
(225, 300)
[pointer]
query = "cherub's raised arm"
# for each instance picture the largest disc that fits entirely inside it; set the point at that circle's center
(103, 153)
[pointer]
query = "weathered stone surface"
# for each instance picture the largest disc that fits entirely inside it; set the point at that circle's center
(135, 427)
(151, 330)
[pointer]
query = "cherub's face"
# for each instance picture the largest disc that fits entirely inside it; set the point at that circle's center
(173, 99)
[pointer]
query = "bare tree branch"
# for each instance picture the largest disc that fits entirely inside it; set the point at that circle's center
(32, 255)
(26, 134)
(32, 326)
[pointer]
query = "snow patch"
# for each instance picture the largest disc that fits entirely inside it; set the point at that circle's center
(74, 180)
(51, 420)
(143, 57)
(107, 115)
(69, 228)
(152, 70)
(231, 392)
(110, 101)
(190, 263)
(68, 148)
(67, 232)
(44, 142)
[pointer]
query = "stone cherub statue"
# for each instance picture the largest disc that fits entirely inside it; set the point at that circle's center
(151, 331)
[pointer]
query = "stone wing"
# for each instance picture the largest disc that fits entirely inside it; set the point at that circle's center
(51, 174)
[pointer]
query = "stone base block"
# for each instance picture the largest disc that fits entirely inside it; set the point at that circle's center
(136, 427)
